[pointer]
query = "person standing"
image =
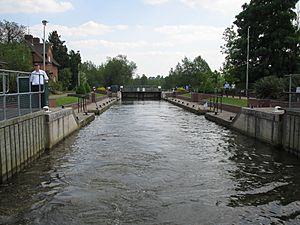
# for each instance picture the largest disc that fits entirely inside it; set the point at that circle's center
(38, 78)
(226, 88)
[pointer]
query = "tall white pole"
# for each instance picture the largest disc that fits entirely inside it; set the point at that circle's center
(247, 70)
(44, 47)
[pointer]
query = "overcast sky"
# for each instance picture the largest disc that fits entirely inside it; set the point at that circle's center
(155, 34)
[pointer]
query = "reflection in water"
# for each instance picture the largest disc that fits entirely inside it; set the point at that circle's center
(154, 163)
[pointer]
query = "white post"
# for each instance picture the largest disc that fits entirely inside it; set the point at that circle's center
(247, 70)
(44, 49)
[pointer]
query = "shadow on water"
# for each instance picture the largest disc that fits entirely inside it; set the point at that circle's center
(154, 163)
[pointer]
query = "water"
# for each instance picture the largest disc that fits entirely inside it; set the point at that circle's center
(154, 163)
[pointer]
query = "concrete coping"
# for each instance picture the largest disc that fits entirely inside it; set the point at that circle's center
(20, 119)
(58, 114)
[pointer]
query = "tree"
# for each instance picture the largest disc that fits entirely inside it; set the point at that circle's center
(94, 74)
(274, 42)
(194, 73)
(118, 70)
(60, 51)
(144, 80)
(65, 76)
(75, 60)
(11, 32)
(17, 55)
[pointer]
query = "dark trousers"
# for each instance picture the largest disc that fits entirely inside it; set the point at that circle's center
(35, 97)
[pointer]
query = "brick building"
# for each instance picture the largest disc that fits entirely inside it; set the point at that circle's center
(37, 49)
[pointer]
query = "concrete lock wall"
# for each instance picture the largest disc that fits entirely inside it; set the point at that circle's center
(263, 126)
(59, 125)
(291, 132)
(24, 139)
(21, 142)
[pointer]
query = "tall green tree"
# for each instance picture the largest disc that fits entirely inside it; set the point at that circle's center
(17, 55)
(118, 70)
(94, 74)
(274, 41)
(75, 60)
(195, 73)
(13, 49)
(60, 50)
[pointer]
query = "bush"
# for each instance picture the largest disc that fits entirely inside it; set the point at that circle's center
(80, 89)
(181, 90)
(87, 88)
(101, 90)
(270, 87)
(55, 87)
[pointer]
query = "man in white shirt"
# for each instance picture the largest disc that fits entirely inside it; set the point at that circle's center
(38, 78)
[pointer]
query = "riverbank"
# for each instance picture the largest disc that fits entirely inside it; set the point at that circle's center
(279, 128)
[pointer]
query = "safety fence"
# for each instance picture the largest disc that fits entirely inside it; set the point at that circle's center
(16, 95)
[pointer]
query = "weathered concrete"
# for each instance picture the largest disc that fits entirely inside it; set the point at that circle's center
(59, 125)
(263, 124)
(24, 139)
(21, 141)
(190, 106)
(291, 131)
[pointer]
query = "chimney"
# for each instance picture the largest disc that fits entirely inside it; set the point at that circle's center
(28, 38)
(35, 40)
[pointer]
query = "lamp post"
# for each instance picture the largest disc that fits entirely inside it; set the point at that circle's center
(247, 70)
(44, 22)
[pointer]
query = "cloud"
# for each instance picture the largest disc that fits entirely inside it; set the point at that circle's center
(155, 2)
(188, 33)
(34, 6)
(154, 49)
(88, 29)
(226, 7)
(222, 6)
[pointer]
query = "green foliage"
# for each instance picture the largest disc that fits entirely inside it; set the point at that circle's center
(93, 73)
(65, 76)
(17, 55)
(87, 87)
(60, 51)
(118, 71)
(270, 87)
(181, 90)
(274, 41)
(83, 89)
(101, 90)
(80, 89)
(75, 61)
(55, 87)
(193, 73)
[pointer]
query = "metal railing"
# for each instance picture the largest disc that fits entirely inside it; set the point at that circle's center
(16, 96)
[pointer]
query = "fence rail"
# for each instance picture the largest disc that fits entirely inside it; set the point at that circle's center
(16, 96)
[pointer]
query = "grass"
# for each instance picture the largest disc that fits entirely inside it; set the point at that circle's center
(187, 95)
(235, 101)
(66, 100)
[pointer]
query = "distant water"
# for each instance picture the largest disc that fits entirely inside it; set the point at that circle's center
(154, 163)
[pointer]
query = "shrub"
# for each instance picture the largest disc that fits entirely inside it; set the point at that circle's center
(270, 87)
(55, 87)
(80, 89)
(181, 90)
(101, 90)
(87, 88)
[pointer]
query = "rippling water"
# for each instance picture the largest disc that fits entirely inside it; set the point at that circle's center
(154, 163)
